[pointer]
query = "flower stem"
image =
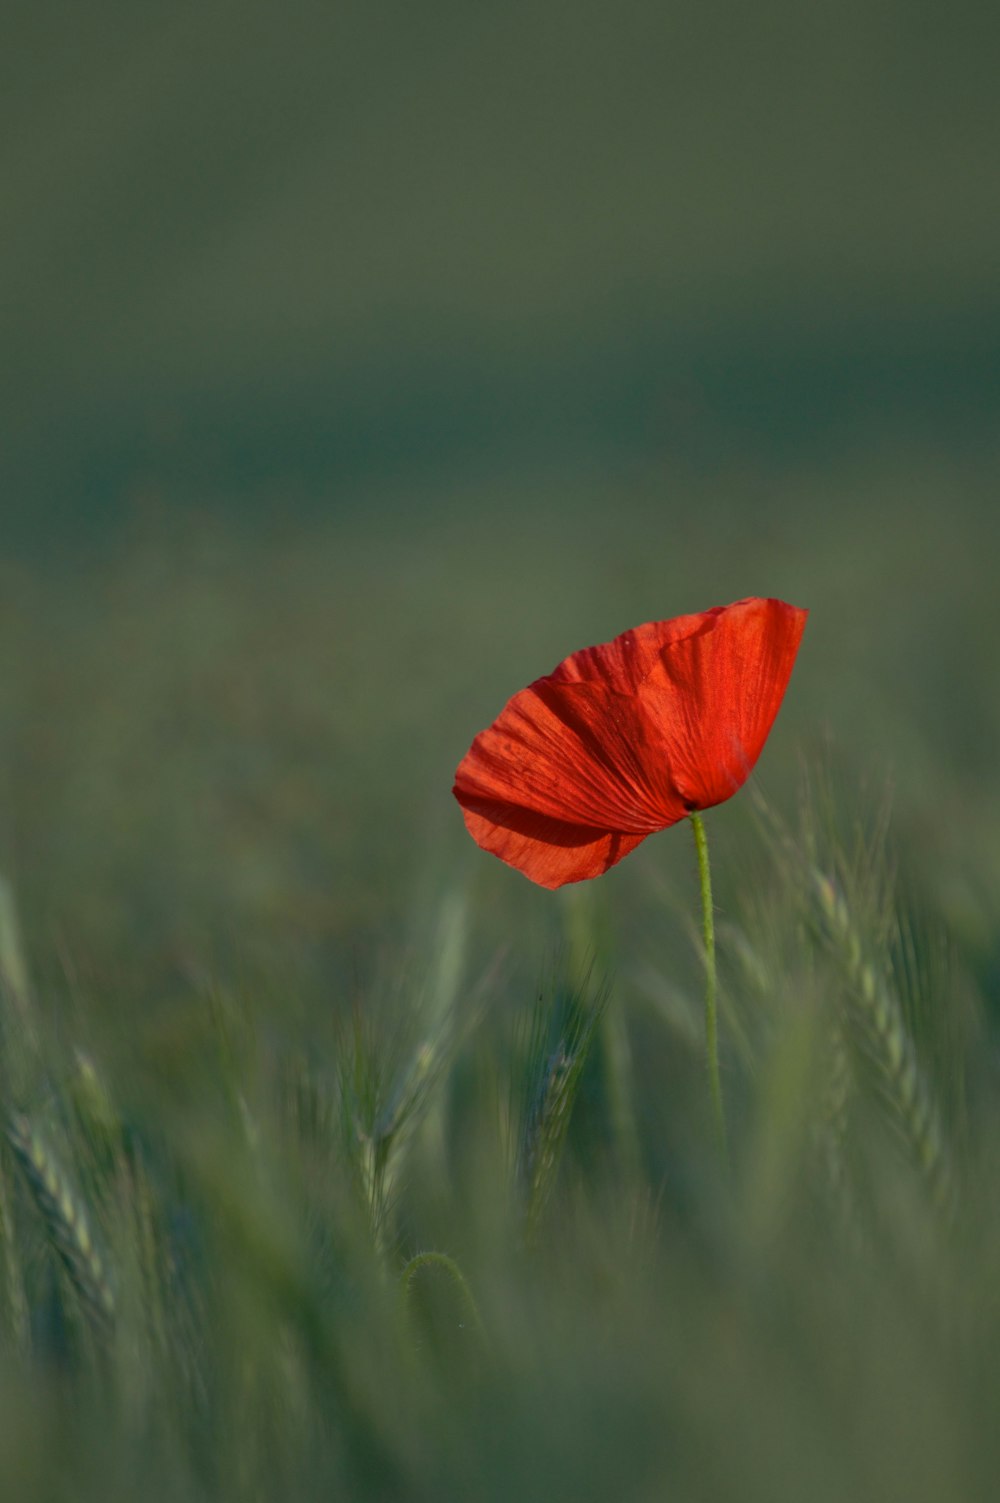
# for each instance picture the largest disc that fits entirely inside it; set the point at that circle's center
(711, 984)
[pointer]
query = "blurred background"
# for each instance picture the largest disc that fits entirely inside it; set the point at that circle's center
(361, 361)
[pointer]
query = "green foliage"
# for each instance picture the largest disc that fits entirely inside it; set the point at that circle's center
(337, 1161)
(561, 1033)
(320, 1257)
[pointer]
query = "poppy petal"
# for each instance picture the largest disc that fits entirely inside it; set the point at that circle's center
(551, 852)
(624, 663)
(627, 738)
(577, 753)
(715, 694)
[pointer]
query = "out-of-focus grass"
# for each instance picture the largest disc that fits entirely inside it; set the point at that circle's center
(213, 736)
(273, 1028)
(242, 1277)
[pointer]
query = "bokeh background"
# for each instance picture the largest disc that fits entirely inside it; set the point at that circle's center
(360, 361)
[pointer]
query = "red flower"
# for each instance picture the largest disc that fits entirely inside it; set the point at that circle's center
(627, 738)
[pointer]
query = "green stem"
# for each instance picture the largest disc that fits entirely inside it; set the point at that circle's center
(711, 983)
(451, 1268)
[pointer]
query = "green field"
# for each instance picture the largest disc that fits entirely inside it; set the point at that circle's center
(357, 364)
(273, 1028)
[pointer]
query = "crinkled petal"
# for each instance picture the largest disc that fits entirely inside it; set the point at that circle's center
(551, 852)
(628, 738)
(573, 752)
(711, 701)
(624, 663)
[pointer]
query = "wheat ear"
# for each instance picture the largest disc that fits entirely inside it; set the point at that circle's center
(876, 1007)
(65, 1219)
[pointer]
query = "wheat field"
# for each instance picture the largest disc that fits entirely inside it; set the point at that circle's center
(339, 1159)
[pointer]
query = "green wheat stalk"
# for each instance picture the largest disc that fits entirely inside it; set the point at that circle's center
(548, 1126)
(16, 1299)
(558, 1073)
(65, 1219)
(836, 1101)
(877, 1009)
(437, 1260)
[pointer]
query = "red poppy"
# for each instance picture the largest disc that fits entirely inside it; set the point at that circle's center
(625, 739)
